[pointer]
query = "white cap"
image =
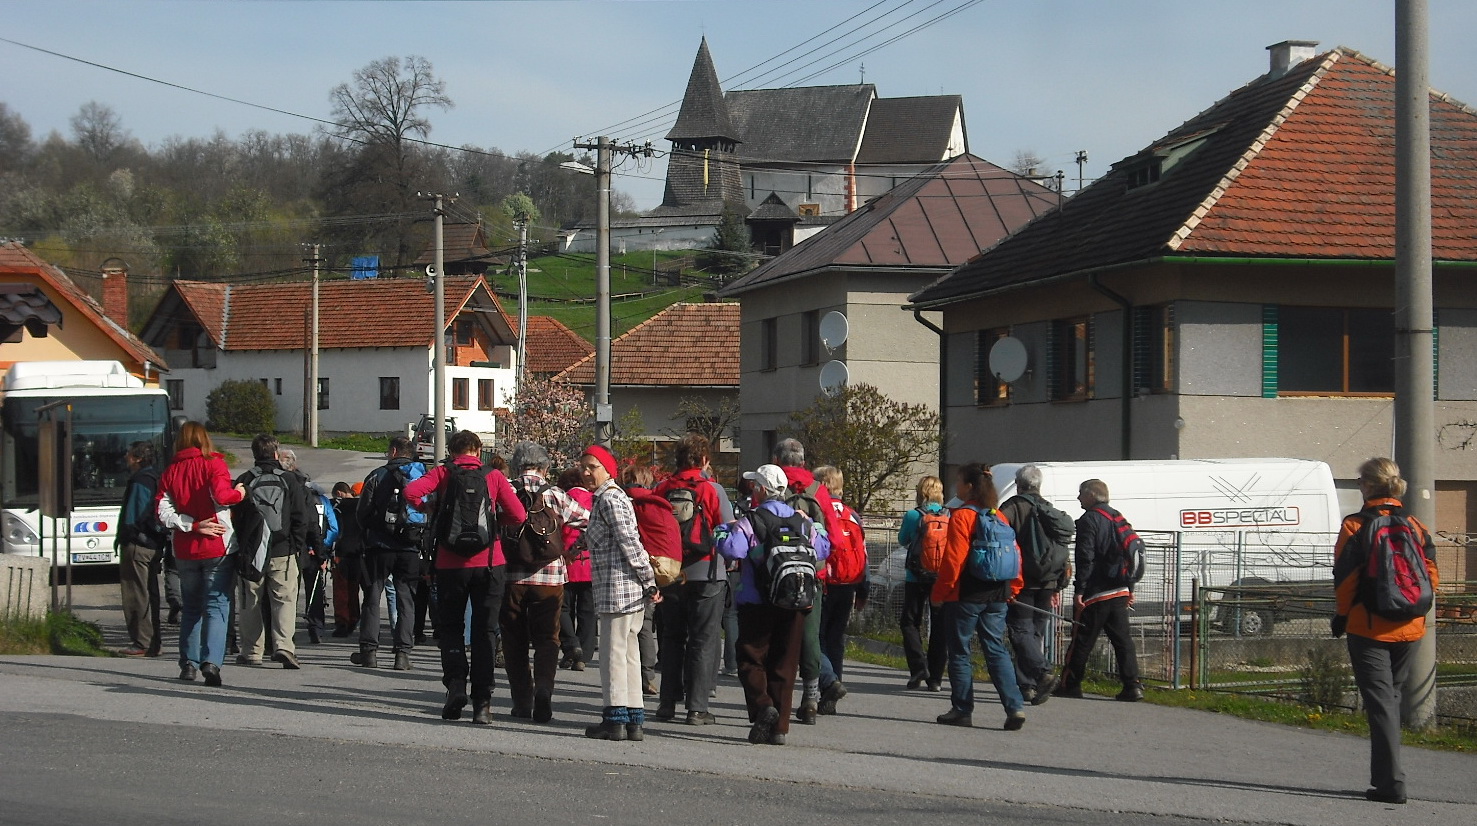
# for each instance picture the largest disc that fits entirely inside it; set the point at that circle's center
(770, 476)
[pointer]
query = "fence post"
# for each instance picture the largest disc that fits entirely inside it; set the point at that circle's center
(1195, 633)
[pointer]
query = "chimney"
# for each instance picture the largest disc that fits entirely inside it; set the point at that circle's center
(115, 290)
(1288, 54)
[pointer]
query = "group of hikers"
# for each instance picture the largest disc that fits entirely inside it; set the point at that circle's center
(519, 569)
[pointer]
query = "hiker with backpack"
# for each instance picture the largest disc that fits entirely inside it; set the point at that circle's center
(691, 612)
(844, 585)
(141, 541)
(348, 562)
(394, 533)
(924, 533)
(978, 576)
(806, 494)
(779, 550)
(577, 614)
(1109, 561)
(534, 549)
(279, 498)
(467, 501)
(624, 584)
(1384, 573)
(313, 561)
(1043, 532)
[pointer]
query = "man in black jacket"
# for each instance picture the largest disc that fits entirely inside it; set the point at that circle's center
(282, 502)
(1102, 598)
(392, 549)
(1046, 571)
(142, 543)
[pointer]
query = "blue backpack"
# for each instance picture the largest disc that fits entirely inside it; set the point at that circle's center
(993, 555)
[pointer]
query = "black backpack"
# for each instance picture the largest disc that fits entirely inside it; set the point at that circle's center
(1044, 554)
(539, 539)
(269, 492)
(1126, 568)
(146, 529)
(807, 501)
(692, 521)
(1394, 581)
(787, 573)
(464, 517)
(393, 517)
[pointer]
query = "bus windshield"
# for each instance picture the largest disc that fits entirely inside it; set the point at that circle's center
(103, 428)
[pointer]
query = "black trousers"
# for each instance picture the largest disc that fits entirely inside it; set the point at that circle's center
(577, 623)
(454, 587)
(1111, 616)
(929, 667)
(690, 618)
(405, 568)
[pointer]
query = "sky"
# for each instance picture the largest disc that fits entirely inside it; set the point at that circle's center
(1052, 77)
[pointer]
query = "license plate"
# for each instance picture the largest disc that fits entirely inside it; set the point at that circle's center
(101, 556)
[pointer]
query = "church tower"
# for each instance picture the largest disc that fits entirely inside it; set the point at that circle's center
(702, 171)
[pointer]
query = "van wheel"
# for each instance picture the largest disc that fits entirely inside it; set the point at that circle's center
(1249, 622)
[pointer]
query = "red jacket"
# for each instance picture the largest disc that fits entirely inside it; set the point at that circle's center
(579, 566)
(656, 523)
(800, 479)
(200, 487)
(510, 511)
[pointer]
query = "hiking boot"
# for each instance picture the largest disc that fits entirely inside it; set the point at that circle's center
(173, 618)
(776, 739)
(212, 674)
(456, 700)
(543, 707)
(577, 665)
(482, 712)
(246, 659)
(665, 712)
(763, 728)
(135, 651)
(1070, 691)
(288, 659)
(806, 712)
(1378, 796)
(314, 638)
(368, 659)
(936, 686)
(955, 717)
(402, 661)
(700, 718)
(832, 695)
(606, 730)
(1015, 721)
(521, 712)
(915, 683)
(567, 662)
(648, 687)
(1044, 690)
(635, 732)
(342, 631)
(188, 672)
(1131, 693)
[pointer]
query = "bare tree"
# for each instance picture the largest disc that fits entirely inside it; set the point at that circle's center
(99, 131)
(15, 139)
(1026, 162)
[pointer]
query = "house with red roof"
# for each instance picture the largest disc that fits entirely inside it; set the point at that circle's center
(552, 347)
(862, 268)
(1228, 291)
(685, 352)
(375, 339)
(46, 316)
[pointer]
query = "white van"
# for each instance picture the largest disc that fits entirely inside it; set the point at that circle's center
(1232, 521)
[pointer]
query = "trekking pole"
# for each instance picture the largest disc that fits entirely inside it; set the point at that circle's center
(1047, 613)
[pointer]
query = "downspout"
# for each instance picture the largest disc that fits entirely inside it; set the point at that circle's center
(943, 407)
(1126, 437)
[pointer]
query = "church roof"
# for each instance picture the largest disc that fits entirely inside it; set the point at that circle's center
(704, 114)
(911, 130)
(810, 124)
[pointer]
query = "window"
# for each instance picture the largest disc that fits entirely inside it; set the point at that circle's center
(277, 386)
(1327, 350)
(810, 337)
(265, 383)
(389, 392)
(1072, 360)
(1153, 349)
(322, 394)
(769, 344)
(465, 329)
(988, 390)
(176, 390)
(459, 390)
(484, 394)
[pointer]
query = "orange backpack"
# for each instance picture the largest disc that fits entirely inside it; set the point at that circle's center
(926, 553)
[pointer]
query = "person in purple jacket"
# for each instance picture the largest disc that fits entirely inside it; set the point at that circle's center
(769, 637)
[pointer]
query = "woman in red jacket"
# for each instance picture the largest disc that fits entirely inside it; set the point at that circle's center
(194, 499)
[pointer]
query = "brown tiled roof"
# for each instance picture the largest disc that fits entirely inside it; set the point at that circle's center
(806, 123)
(551, 346)
(704, 114)
(1296, 166)
(16, 260)
(937, 220)
(25, 307)
(910, 130)
(376, 312)
(459, 242)
(686, 344)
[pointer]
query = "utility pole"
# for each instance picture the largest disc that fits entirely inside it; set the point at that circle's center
(438, 360)
(604, 149)
(522, 296)
(1415, 408)
(310, 393)
(1081, 162)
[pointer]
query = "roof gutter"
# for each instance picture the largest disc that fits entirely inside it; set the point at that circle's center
(943, 408)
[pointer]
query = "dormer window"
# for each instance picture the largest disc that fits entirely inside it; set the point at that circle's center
(1159, 160)
(1145, 172)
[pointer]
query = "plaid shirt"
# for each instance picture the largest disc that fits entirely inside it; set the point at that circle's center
(621, 570)
(574, 516)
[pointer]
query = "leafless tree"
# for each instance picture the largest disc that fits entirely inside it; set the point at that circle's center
(99, 131)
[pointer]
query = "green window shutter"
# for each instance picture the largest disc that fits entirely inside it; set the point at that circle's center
(1269, 351)
(1436, 355)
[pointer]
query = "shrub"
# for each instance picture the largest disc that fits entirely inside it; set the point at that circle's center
(1324, 678)
(241, 407)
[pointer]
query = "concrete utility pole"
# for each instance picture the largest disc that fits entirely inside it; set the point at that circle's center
(604, 149)
(522, 296)
(438, 360)
(1415, 448)
(310, 393)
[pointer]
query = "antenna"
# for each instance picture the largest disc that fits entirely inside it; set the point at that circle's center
(1008, 359)
(834, 376)
(834, 330)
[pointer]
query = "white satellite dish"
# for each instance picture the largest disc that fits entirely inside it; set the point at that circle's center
(833, 377)
(834, 330)
(1008, 359)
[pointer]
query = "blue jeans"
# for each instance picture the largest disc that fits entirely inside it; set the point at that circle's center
(964, 620)
(205, 589)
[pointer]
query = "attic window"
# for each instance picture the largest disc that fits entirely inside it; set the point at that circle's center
(1159, 160)
(1145, 173)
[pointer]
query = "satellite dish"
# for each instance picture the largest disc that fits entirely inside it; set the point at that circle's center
(1008, 359)
(430, 270)
(833, 377)
(834, 329)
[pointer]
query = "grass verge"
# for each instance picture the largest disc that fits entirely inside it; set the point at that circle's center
(58, 633)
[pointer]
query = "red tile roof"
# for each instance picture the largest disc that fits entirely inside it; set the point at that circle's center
(1297, 166)
(693, 345)
(551, 346)
(376, 312)
(937, 219)
(16, 260)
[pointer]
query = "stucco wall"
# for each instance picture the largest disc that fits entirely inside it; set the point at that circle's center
(1220, 348)
(1457, 346)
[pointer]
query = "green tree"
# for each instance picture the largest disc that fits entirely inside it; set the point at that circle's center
(240, 406)
(629, 442)
(878, 443)
(695, 415)
(521, 208)
(730, 253)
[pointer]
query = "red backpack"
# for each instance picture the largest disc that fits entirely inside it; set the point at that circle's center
(660, 536)
(847, 562)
